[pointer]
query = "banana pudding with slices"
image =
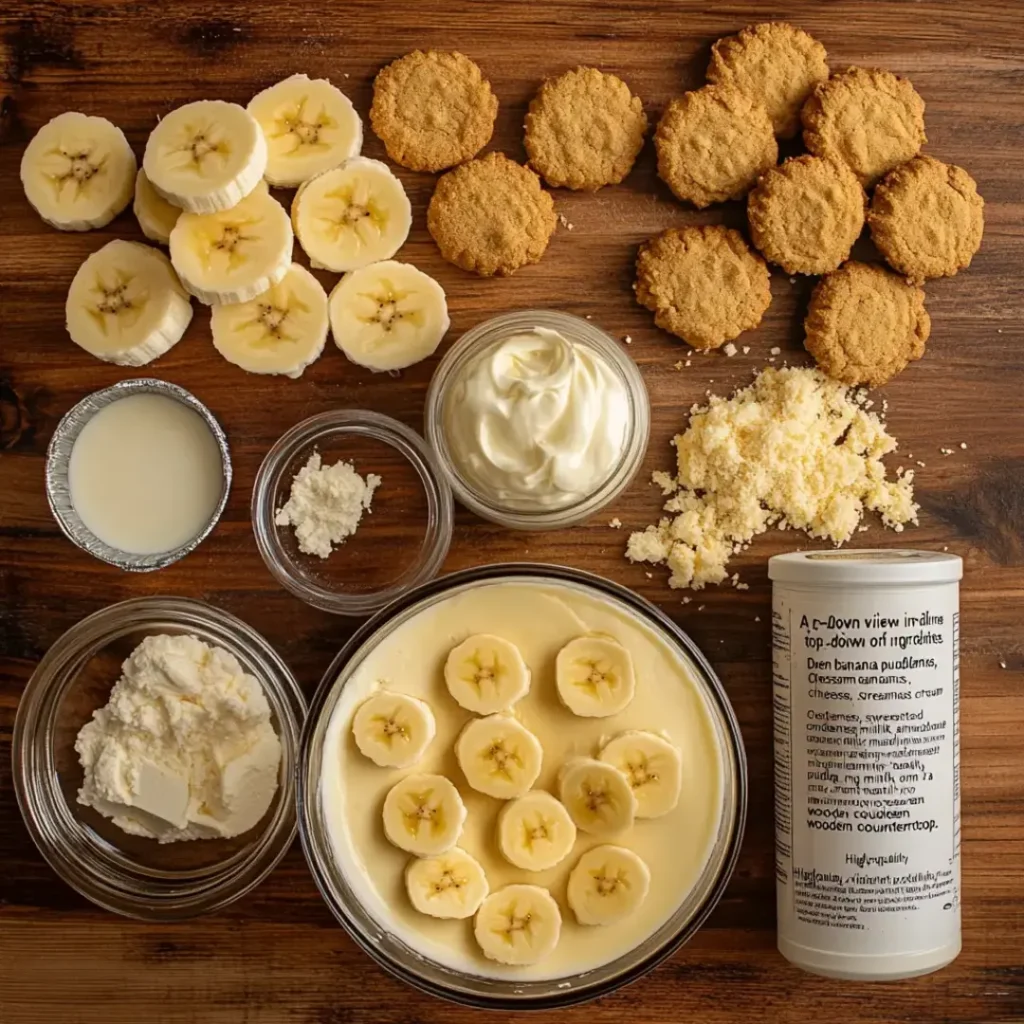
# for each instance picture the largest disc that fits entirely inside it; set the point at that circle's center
(523, 779)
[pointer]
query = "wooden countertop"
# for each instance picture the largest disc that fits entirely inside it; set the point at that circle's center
(277, 955)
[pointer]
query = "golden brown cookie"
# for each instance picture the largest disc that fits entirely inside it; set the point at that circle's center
(703, 284)
(870, 119)
(584, 130)
(926, 218)
(491, 216)
(713, 144)
(432, 109)
(774, 63)
(865, 324)
(806, 214)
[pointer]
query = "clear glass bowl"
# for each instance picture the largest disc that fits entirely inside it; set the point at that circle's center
(132, 875)
(493, 993)
(411, 513)
(577, 330)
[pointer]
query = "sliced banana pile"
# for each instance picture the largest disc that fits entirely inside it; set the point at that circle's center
(499, 756)
(424, 814)
(447, 885)
(485, 674)
(595, 677)
(282, 330)
(126, 304)
(393, 729)
(310, 126)
(388, 315)
(518, 925)
(78, 172)
(653, 767)
(352, 216)
(607, 884)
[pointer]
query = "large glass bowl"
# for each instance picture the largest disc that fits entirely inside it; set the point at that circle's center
(496, 993)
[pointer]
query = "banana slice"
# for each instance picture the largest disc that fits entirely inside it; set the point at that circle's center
(155, 215)
(282, 330)
(78, 172)
(607, 884)
(535, 832)
(594, 677)
(499, 756)
(424, 814)
(486, 674)
(597, 796)
(206, 156)
(653, 767)
(352, 216)
(393, 729)
(310, 126)
(388, 316)
(234, 255)
(126, 305)
(450, 885)
(518, 925)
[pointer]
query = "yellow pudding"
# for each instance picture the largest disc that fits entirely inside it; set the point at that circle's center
(540, 619)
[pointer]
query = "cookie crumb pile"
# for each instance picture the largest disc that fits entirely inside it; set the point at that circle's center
(793, 450)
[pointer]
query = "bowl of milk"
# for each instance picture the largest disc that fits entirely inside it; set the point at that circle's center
(138, 474)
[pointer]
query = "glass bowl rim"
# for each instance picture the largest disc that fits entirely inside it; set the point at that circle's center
(715, 692)
(111, 880)
(580, 330)
(440, 518)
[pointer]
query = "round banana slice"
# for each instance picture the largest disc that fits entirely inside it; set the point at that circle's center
(393, 729)
(594, 677)
(78, 172)
(424, 814)
(234, 255)
(206, 156)
(518, 925)
(352, 216)
(499, 756)
(282, 330)
(597, 796)
(310, 126)
(388, 316)
(155, 215)
(448, 885)
(126, 305)
(486, 674)
(535, 832)
(653, 767)
(607, 884)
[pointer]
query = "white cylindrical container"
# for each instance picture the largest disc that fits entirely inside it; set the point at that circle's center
(867, 765)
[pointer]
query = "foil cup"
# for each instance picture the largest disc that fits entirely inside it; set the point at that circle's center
(58, 459)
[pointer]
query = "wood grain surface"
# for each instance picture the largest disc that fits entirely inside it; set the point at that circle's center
(278, 955)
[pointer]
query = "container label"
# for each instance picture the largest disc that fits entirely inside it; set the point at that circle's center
(867, 795)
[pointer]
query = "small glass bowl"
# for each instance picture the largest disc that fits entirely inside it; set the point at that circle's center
(401, 542)
(458, 986)
(58, 460)
(133, 875)
(581, 332)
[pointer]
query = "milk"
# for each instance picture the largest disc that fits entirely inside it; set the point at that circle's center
(145, 474)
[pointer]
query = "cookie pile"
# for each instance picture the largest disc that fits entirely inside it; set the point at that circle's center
(863, 129)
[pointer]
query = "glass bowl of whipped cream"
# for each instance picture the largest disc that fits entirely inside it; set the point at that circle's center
(539, 855)
(154, 752)
(539, 419)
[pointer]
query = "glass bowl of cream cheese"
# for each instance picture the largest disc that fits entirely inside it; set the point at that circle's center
(154, 751)
(538, 418)
(386, 720)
